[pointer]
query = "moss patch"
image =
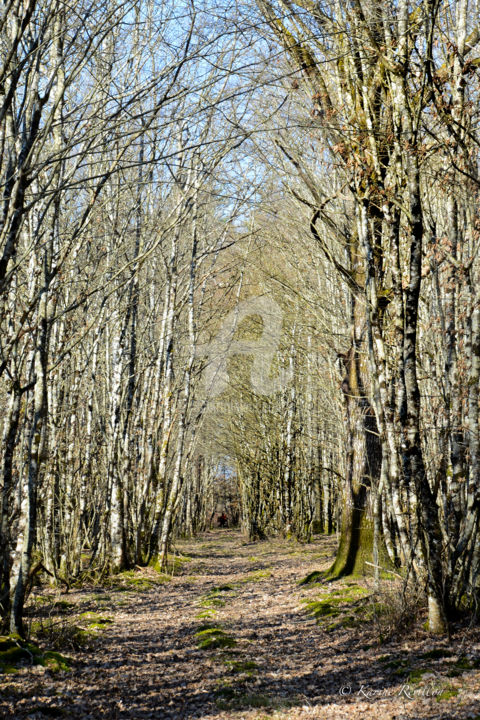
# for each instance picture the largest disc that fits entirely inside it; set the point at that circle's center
(257, 576)
(447, 694)
(462, 665)
(349, 604)
(96, 621)
(15, 653)
(63, 605)
(313, 577)
(209, 638)
(416, 675)
(217, 596)
(140, 580)
(321, 609)
(55, 661)
(242, 667)
(436, 654)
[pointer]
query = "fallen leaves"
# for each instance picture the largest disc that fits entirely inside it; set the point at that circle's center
(283, 666)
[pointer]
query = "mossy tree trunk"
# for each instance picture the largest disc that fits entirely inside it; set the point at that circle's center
(363, 466)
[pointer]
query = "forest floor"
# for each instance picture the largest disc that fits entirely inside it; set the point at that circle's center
(232, 635)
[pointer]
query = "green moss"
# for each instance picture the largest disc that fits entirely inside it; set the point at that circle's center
(214, 637)
(416, 675)
(337, 604)
(369, 611)
(222, 588)
(217, 596)
(8, 641)
(82, 639)
(257, 576)
(14, 655)
(155, 564)
(356, 543)
(210, 602)
(447, 694)
(41, 599)
(356, 546)
(63, 605)
(55, 661)
(135, 580)
(95, 620)
(437, 653)
(206, 626)
(321, 609)
(15, 652)
(176, 563)
(463, 664)
(348, 621)
(247, 667)
(313, 577)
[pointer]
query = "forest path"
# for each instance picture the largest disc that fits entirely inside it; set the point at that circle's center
(265, 657)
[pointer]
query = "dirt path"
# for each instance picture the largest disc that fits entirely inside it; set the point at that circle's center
(262, 656)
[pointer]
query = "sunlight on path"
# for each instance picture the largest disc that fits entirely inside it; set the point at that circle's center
(229, 637)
